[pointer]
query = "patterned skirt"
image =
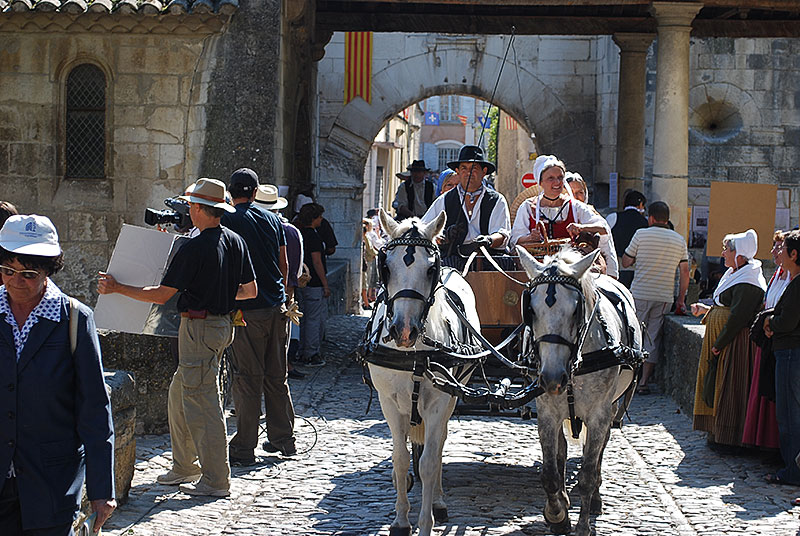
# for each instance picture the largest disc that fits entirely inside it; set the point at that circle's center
(725, 421)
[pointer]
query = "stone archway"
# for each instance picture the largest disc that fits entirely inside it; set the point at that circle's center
(542, 91)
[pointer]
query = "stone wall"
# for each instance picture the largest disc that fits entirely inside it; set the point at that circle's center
(677, 367)
(150, 360)
(156, 87)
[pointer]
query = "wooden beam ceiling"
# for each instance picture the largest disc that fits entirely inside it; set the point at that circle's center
(717, 18)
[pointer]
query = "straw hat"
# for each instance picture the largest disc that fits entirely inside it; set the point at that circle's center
(209, 192)
(267, 195)
(533, 191)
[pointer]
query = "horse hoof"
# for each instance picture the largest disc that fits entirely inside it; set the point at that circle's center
(562, 527)
(596, 506)
(440, 514)
(409, 482)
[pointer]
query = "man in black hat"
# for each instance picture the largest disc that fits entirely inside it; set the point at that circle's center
(476, 215)
(416, 194)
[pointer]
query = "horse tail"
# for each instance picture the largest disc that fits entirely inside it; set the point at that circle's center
(568, 433)
(417, 434)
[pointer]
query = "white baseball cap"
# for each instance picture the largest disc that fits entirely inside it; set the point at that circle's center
(30, 235)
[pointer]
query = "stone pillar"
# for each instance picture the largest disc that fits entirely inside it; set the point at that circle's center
(630, 111)
(671, 138)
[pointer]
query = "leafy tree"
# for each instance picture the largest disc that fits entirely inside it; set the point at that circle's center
(491, 146)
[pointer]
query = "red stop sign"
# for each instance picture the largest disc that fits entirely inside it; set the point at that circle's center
(528, 180)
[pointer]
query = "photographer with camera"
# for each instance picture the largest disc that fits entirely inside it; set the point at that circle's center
(476, 216)
(259, 347)
(212, 271)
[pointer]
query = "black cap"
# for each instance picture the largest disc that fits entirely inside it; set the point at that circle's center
(471, 153)
(245, 178)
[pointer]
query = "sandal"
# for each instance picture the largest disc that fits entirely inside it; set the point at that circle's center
(773, 478)
(643, 390)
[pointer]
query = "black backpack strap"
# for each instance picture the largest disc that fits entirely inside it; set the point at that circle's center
(488, 203)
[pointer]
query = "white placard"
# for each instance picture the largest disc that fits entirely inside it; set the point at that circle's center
(140, 258)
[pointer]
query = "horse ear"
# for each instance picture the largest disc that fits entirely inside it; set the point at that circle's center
(388, 223)
(579, 268)
(434, 228)
(529, 263)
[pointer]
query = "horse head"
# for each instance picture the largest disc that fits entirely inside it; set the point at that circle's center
(560, 295)
(409, 266)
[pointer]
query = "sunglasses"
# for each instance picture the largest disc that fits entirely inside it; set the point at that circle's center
(26, 274)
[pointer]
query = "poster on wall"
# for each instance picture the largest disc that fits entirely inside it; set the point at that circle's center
(783, 210)
(735, 207)
(699, 227)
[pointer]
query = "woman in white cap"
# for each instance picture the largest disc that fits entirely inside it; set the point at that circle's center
(58, 432)
(726, 358)
(555, 213)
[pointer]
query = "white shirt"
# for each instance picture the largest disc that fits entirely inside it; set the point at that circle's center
(581, 213)
(499, 221)
(612, 218)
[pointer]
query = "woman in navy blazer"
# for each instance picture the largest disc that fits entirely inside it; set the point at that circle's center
(54, 409)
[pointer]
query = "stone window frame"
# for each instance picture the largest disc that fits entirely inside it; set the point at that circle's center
(62, 76)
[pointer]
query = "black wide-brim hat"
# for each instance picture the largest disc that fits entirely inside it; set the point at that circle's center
(471, 153)
(418, 165)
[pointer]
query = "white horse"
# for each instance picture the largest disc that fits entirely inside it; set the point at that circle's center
(561, 310)
(416, 308)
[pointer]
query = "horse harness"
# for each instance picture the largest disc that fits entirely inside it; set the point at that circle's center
(579, 363)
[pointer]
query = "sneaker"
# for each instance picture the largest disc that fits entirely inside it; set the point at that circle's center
(242, 461)
(290, 450)
(201, 488)
(296, 374)
(171, 478)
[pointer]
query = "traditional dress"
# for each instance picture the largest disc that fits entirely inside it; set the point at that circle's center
(736, 301)
(557, 219)
(761, 424)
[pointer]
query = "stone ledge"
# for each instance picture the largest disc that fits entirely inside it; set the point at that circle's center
(676, 371)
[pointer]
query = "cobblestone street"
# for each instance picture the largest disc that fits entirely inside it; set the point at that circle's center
(659, 478)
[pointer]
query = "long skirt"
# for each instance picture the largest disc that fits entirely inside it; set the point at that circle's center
(760, 423)
(725, 421)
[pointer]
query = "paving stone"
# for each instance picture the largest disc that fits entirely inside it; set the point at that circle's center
(659, 478)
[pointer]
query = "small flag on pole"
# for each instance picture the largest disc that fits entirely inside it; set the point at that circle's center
(463, 119)
(511, 123)
(485, 122)
(357, 66)
(405, 114)
(431, 118)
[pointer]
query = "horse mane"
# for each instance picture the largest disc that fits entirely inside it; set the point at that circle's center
(566, 256)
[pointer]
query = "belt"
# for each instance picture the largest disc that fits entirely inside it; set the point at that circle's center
(198, 314)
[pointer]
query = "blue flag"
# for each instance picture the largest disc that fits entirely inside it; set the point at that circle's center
(486, 120)
(431, 118)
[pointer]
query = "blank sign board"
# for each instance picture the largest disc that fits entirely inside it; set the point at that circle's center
(737, 207)
(140, 258)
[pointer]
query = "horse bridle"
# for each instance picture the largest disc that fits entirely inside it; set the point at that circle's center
(551, 278)
(410, 242)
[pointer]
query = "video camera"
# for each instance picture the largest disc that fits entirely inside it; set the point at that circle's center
(178, 215)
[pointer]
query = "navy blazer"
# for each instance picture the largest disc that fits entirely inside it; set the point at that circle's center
(56, 418)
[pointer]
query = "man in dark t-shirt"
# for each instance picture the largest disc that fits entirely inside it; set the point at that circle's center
(212, 271)
(313, 298)
(259, 347)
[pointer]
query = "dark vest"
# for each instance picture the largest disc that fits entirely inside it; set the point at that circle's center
(429, 190)
(452, 206)
(628, 222)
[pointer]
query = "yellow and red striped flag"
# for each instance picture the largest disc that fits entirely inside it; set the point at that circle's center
(357, 66)
(511, 123)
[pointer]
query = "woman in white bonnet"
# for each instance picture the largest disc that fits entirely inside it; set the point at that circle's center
(556, 213)
(727, 355)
